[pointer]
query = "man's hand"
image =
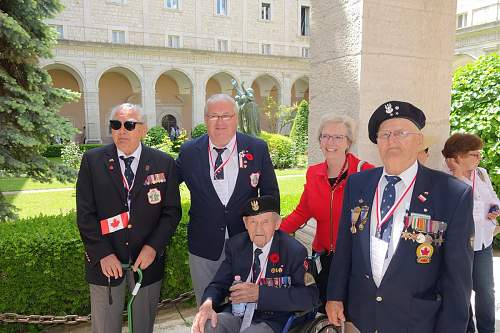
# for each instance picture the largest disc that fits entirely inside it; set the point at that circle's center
(455, 168)
(493, 215)
(111, 266)
(204, 313)
(244, 293)
(145, 258)
(335, 312)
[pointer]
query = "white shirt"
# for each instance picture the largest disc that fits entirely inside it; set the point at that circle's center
(262, 257)
(398, 216)
(225, 187)
(133, 165)
(484, 197)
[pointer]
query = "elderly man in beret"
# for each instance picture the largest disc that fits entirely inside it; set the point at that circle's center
(404, 255)
(271, 265)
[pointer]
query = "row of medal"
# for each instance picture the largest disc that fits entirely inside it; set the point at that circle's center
(361, 214)
(278, 282)
(424, 229)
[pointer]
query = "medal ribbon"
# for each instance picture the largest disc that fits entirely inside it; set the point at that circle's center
(394, 207)
(223, 163)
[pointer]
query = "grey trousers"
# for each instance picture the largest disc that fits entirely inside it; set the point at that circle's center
(108, 318)
(202, 272)
(227, 323)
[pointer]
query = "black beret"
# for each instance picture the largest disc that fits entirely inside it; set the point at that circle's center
(259, 205)
(394, 109)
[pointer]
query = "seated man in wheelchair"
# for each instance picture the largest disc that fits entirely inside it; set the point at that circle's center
(272, 269)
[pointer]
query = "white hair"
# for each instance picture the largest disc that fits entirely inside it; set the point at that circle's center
(218, 98)
(128, 106)
(347, 121)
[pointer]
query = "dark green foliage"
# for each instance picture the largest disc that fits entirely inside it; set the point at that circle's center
(42, 267)
(55, 150)
(177, 143)
(299, 132)
(29, 105)
(475, 108)
(88, 146)
(280, 149)
(155, 136)
(199, 130)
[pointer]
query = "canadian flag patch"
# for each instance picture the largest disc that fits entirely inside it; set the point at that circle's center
(114, 223)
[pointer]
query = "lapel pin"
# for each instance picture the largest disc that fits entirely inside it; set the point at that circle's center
(425, 210)
(422, 198)
(146, 167)
(111, 166)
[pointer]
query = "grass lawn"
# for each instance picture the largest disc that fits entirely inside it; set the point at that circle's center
(51, 203)
(22, 183)
(288, 172)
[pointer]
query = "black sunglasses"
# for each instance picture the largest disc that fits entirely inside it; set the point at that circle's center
(129, 124)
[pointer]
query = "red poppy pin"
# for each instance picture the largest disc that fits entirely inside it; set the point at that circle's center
(274, 258)
(306, 265)
(249, 156)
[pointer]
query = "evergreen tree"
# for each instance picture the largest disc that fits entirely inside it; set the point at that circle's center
(29, 105)
(299, 132)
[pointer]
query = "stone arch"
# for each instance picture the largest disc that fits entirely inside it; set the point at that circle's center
(116, 85)
(300, 90)
(266, 85)
(66, 76)
(220, 82)
(174, 96)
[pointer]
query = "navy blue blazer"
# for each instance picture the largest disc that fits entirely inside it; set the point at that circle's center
(100, 194)
(275, 304)
(208, 217)
(412, 297)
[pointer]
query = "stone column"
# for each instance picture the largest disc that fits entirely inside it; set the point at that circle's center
(149, 92)
(199, 97)
(286, 90)
(92, 118)
(366, 52)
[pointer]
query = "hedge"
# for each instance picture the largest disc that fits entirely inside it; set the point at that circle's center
(280, 149)
(55, 150)
(42, 267)
(199, 130)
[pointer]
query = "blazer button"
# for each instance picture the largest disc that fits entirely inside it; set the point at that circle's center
(379, 299)
(130, 227)
(222, 229)
(367, 276)
(126, 243)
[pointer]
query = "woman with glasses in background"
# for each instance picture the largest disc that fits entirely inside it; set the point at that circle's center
(463, 154)
(323, 192)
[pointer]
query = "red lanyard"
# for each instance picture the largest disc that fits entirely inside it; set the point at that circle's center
(337, 181)
(224, 163)
(391, 211)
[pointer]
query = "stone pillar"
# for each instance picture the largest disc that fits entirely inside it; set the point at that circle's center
(199, 97)
(286, 90)
(148, 93)
(366, 52)
(92, 118)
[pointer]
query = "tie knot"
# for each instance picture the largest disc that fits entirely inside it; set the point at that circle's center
(219, 150)
(393, 180)
(127, 160)
(257, 252)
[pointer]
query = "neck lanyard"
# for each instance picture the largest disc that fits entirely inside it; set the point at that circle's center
(393, 208)
(223, 163)
(261, 271)
(473, 181)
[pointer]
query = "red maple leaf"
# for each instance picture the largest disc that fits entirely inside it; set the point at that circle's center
(274, 258)
(425, 251)
(115, 223)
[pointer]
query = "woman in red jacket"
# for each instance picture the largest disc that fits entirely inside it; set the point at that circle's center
(324, 190)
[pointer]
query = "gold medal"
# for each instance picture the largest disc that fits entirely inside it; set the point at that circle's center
(420, 238)
(353, 229)
(424, 253)
(309, 279)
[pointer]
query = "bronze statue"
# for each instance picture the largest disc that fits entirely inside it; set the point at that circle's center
(248, 115)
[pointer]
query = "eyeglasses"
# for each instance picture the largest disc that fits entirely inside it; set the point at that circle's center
(398, 134)
(223, 117)
(475, 155)
(129, 124)
(337, 138)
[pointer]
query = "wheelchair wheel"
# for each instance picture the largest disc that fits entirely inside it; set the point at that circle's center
(321, 325)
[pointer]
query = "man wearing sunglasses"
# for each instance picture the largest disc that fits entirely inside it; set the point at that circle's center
(404, 249)
(128, 207)
(222, 170)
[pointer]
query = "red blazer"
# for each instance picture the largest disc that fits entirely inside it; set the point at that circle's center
(319, 201)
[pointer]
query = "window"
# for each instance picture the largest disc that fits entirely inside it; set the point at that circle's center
(59, 30)
(266, 49)
(172, 4)
(461, 20)
(118, 36)
(304, 20)
(305, 52)
(174, 41)
(222, 45)
(265, 11)
(221, 7)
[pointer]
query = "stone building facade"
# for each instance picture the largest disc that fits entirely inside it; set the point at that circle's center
(170, 55)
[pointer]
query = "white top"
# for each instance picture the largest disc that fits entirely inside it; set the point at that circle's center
(133, 165)
(225, 187)
(484, 198)
(262, 257)
(398, 217)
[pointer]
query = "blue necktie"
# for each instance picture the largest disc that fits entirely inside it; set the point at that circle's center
(256, 264)
(219, 175)
(129, 174)
(388, 199)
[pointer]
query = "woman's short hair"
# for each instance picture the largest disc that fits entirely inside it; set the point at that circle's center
(347, 121)
(461, 144)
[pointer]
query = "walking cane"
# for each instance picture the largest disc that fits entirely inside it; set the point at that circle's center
(132, 296)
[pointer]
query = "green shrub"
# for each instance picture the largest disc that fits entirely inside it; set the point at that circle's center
(280, 149)
(71, 155)
(88, 146)
(299, 132)
(177, 143)
(53, 151)
(42, 267)
(155, 136)
(199, 130)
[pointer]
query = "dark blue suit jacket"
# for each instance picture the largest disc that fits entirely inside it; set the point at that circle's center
(412, 297)
(275, 305)
(208, 217)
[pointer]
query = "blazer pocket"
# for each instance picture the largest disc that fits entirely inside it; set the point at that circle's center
(423, 315)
